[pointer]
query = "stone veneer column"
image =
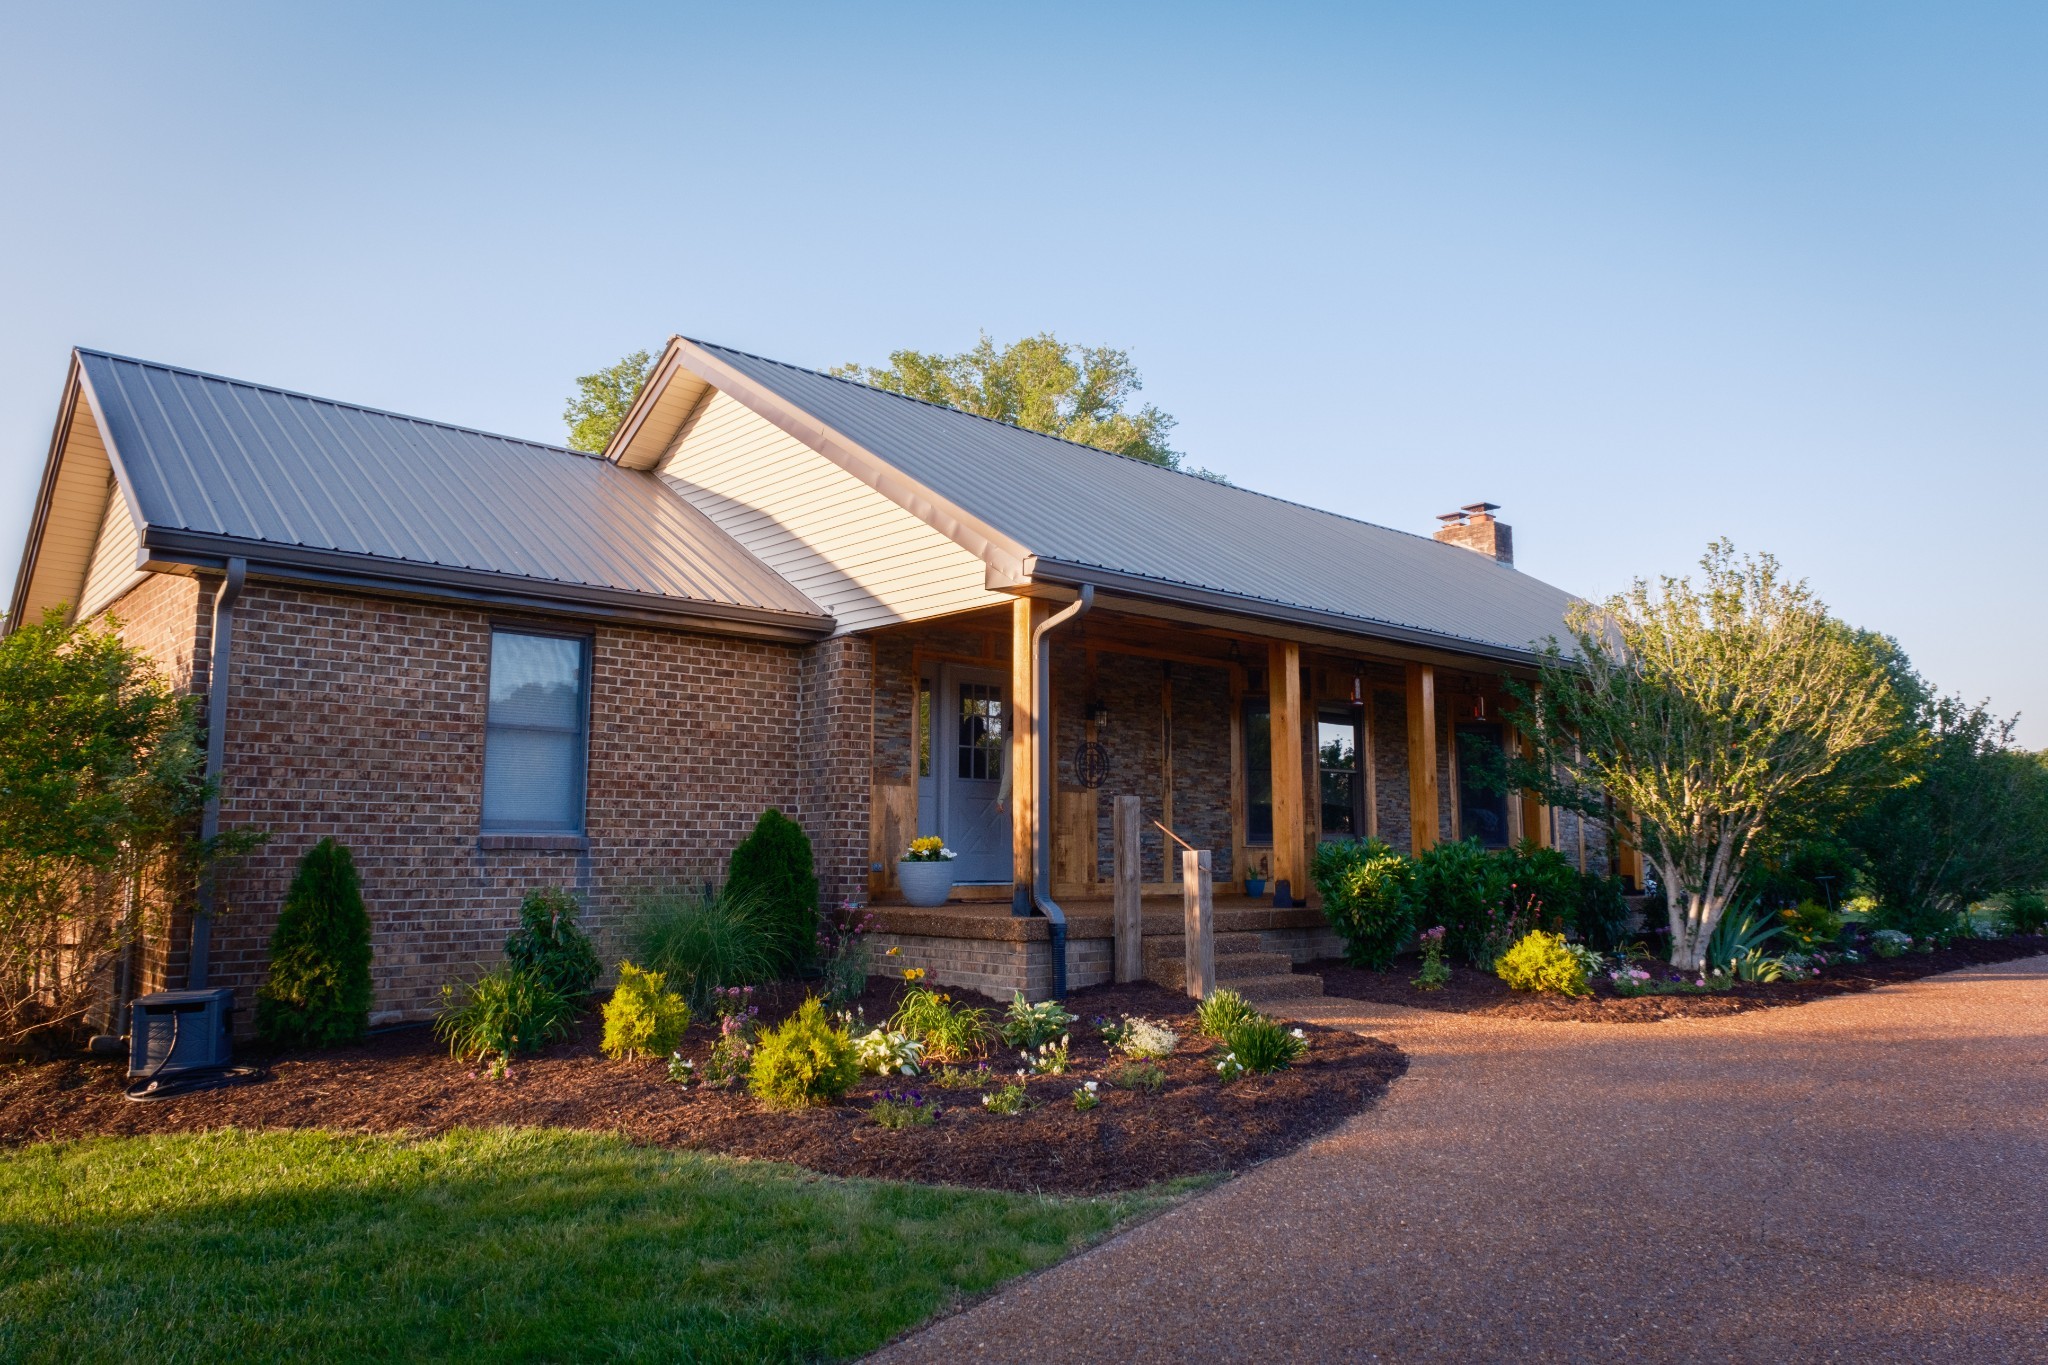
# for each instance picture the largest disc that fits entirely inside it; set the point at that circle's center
(838, 722)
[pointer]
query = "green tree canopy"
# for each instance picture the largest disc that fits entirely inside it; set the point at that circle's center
(1971, 824)
(1715, 713)
(602, 399)
(1080, 393)
(101, 773)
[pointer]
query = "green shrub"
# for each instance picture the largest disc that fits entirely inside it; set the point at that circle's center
(1007, 1099)
(772, 868)
(702, 939)
(548, 943)
(1464, 888)
(806, 1060)
(949, 1032)
(1923, 922)
(1890, 942)
(1603, 913)
(2023, 912)
(1367, 892)
(1223, 1009)
(643, 1018)
(1545, 882)
(1810, 926)
(504, 1011)
(318, 991)
(1027, 1026)
(1542, 962)
(1149, 1077)
(1261, 1044)
(902, 1109)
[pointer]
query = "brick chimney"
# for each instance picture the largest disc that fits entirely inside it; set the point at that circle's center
(1472, 527)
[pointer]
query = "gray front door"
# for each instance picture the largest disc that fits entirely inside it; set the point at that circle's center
(973, 743)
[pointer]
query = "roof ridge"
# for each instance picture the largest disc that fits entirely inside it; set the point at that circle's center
(334, 402)
(1048, 436)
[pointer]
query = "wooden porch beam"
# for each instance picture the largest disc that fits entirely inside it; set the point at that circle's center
(1025, 614)
(1422, 799)
(1290, 797)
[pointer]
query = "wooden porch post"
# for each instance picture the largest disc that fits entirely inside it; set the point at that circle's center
(1290, 801)
(1422, 811)
(1535, 815)
(1024, 615)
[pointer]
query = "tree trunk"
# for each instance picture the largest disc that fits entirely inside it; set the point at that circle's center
(1698, 897)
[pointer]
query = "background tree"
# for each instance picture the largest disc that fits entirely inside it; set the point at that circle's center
(1040, 383)
(1972, 824)
(602, 399)
(1713, 713)
(101, 777)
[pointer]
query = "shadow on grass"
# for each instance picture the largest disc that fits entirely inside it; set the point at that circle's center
(500, 1244)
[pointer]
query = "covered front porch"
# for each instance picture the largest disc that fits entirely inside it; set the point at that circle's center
(1192, 714)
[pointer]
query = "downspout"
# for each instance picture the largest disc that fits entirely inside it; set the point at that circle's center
(224, 600)
(1041, 764)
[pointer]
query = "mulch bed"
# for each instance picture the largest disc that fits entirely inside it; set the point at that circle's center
(404, 1082)
(1475, 992)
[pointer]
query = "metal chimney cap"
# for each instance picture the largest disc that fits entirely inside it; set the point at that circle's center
(1479, 507)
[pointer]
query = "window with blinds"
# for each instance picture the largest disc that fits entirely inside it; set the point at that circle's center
(536, 735)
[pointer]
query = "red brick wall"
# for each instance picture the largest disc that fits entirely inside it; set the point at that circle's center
(363, 719)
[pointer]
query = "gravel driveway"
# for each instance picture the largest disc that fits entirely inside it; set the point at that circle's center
(1860, 1179)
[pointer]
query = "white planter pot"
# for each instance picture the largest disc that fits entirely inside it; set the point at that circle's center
(925, 883)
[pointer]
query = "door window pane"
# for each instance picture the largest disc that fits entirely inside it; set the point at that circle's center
(534, 735)
(980, 742)
(1337, 759)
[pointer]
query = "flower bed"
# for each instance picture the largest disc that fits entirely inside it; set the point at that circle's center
(1144, 1122)
(1470, 991)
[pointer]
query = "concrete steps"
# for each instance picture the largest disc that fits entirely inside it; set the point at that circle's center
(1242, 963)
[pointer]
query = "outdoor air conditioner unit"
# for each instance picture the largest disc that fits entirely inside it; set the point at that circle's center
(178, 1033)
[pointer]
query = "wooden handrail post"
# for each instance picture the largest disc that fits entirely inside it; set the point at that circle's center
(1200, 927)
(1128, 871)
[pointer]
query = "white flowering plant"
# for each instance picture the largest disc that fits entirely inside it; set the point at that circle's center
(1146, 1038)
(1087, 1097)
(1047, 1059)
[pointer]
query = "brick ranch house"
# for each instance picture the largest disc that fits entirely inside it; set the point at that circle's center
(488, 665)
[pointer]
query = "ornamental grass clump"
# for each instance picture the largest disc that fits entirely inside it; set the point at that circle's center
(1541, 961)
(1149, 1077)
(504, 1011)
(1261, 1044)
(1221, 1011)
(701, 939)
(549, 944)
(643, 1018)
(948, 1032)
(807, 1060)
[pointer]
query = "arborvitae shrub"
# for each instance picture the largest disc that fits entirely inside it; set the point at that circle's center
(548, 943)
(318, 992)
(808, 1060)
(1542, 962)
(643, 1018)
(773, 867)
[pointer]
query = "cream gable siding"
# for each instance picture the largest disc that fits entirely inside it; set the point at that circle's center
(78, 506)
(113, 569)
(845, 546)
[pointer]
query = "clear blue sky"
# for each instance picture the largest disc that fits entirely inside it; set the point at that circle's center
(1644, 274)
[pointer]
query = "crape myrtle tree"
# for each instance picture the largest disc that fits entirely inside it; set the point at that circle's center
(1712, 712)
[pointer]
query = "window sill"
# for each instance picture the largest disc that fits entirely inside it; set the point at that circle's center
(532, 843)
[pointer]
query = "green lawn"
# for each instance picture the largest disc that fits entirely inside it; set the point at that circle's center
(499, 1244)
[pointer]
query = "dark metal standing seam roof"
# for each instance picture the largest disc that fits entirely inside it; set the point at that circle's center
(1078, 506)
(210, 457)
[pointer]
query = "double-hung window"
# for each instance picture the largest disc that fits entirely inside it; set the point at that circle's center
(536, 738)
